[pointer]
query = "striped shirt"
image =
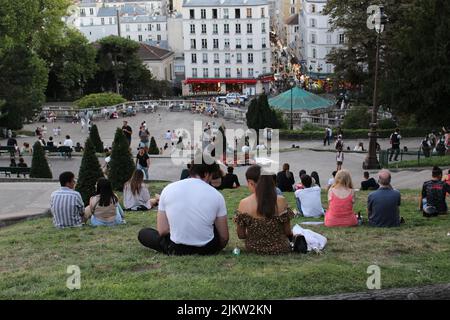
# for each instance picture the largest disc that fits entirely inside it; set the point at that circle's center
(67, 208)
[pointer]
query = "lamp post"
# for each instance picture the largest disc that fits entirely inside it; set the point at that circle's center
(292, 84)
(377, 22)
(310, 70)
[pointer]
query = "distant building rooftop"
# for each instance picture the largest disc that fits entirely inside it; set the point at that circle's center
(223, 3)
(292, 20)
(152, 53)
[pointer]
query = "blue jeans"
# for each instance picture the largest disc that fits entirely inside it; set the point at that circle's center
(299, 205)
(144, 169)
(118, 220)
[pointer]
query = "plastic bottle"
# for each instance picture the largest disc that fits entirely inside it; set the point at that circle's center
(360, 220)
(236, 251)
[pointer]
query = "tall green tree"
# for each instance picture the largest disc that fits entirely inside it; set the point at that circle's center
(94, 138)
(90, 172)
(39, 164)
(121, 166)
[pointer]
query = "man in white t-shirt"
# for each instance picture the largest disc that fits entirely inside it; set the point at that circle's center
(308, 199)
(331, 180)
(192, 216)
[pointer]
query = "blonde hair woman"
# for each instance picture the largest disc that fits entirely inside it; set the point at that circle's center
(341, 198)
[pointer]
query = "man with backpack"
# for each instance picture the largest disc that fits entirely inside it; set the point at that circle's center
(395, 143)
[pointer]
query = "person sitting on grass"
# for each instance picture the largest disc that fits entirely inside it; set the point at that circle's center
(446, 179)
(300, 186)
(230, 180)
(309, 203)
(285, 179)
(66, 204)
(432, 200)
(369, 183)
(331, 180)
(136, 196)
(104, 208)
(192, 216)
(263, 218)
(341, 198)
(185, 172)
(383, 205)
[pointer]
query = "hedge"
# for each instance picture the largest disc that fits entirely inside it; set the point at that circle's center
(98, 100)
(353, 133)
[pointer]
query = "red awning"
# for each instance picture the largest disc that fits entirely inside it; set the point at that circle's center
(232, 81)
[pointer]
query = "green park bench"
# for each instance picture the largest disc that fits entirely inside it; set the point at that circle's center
(15, 170)
(7, 149)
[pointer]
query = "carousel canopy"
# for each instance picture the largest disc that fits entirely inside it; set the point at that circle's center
(301, 100)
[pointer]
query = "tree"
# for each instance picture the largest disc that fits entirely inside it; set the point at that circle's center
(39, 164)
(90, 172)
(357, 118)
(94, 138)
(153, 147)
(121, 167)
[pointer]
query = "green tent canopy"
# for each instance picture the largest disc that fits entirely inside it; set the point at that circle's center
(301, 100)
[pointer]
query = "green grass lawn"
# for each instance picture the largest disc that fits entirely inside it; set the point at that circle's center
(442, 162)
(34, 258)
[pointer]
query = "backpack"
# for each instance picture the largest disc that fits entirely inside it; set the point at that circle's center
(395, 139)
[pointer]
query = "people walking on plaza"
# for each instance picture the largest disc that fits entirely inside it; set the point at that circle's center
(285, 179)
(383, 205)
(339, 159)
(425, 147)
(331, 180)
(328, 136)
(143, 162)
(66, 204)
(136, 196)
(433, 196)
(395, 144)
(144, 136)
(104, 208)
(192, 216)
(127, 131)
(341, 198)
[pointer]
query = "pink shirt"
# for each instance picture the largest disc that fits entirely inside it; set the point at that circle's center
(340, 212)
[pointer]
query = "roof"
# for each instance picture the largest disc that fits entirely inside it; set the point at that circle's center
(147, 52)
(302, 100)
(124, 10)
(292, 20)
(223, 3)
(143, 19)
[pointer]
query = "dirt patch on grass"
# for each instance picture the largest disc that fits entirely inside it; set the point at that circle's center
(146, 267)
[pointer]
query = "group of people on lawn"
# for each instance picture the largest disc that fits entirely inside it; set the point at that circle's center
(192, 214)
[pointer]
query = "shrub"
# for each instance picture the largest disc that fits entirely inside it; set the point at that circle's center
(39, 164)
(98, 100)
(387, 124)
(153, 147)
(357, 118)
(90, 172)
(121, 166)
(95, 139)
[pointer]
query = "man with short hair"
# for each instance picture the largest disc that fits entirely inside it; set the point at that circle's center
(369, 183)
(143, 162)
(230, 180)
(432, 201)
(383, 205)
(395, 143)
(192, 216)
(66, 205)
(127, 131)
(308, 199)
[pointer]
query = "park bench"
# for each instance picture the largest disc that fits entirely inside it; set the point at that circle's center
(7, 149)
(64, 151)
(15, 170)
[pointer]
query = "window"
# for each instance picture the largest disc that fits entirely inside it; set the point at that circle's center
(328, 38)
(215, 29)
(194, 58)
(228, 72)
(263, 12)
(313, 38)
(314, 53)
(158, 27)
(249, 13)
(92, 23)
(215, 43)
(216, 58)
(238, 28)
(264, 70)
(249, 28)
(238, 44)
(237, 13)
(158, 37)
(139, 27)
(81, 22)
(239, 72)
(82, 12)
(203, 13)
(313, 8)
(216, 73)
(293, 10)
(263, 27)
(91, 11)
(250, 72)
(249, 43)
(205, 58)
(140, 38)
(203, 28)
(127, 27)
(205, 73)
(214, 13)
(110, 20)
(312, 23)
(226, 28)
(192, 29)
(103, 22)
(192, 14)
(193, 44)
(329, 68)
(264, 57)
(226, 43)
(263, 41)
(227, 58)
(149, 28)
(250, 58)
(239, 58)
(204, 44)
(194, 73)
(341, 38)
(226, 14)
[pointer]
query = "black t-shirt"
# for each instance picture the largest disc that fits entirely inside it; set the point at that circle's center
(285, 183)
(435, 191)
(11, 142)
(142, 159)
(229, 180)
(50, 144)
(128, 128)
(370, 184)
(22, 165)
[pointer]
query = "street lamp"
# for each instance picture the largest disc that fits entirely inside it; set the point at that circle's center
(377, 22)
(310, 70)
(292, 84)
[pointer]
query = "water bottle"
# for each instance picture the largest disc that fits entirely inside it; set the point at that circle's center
(360, 220)
(236, 251)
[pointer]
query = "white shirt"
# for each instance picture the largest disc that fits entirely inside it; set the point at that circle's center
(310, 201)
(191, 207)
(330, 181)
(68, 143)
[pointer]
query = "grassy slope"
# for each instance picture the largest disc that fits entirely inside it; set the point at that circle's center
(424, 162)
(34, 257)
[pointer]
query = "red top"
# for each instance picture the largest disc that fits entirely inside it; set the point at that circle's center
(340, 212)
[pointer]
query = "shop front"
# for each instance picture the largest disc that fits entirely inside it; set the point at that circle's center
(197, 86)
